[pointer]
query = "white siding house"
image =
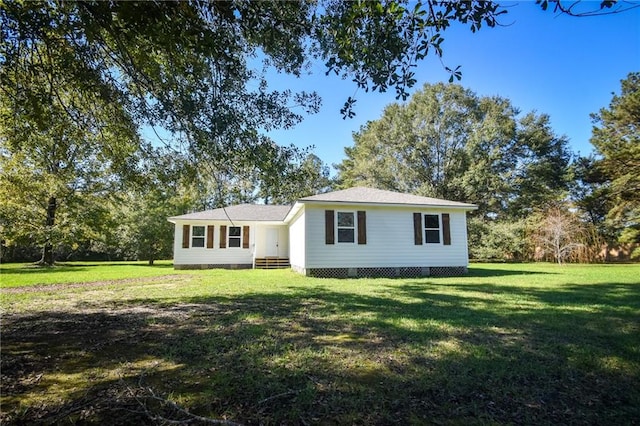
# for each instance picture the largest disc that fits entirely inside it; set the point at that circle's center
(349, 233)
(231, 237)
(297, 241)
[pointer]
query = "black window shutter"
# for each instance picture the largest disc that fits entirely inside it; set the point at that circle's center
(446, 229)
(329, 237)
(186, 229)
(417, 229)
(245, 237)
(362, 227)
(209, 236)
(223, 236)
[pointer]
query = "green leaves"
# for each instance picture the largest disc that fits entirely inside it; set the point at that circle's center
(455, 73)
(347, 109)
(379, 43)
(585, 8)
(616, 139)
(186, 66)
(447, 142)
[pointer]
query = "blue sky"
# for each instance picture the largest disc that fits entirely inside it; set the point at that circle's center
(563, 66)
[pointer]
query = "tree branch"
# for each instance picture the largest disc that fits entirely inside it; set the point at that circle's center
(569, 10)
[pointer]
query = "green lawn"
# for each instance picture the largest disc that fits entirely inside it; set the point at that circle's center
(507, 344)
(20, 275)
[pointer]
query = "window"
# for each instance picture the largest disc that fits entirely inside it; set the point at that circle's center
(346, 227)
(197, 236)
(235, 235)
(432, 228)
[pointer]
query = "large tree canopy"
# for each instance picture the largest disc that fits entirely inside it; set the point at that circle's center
(62, 151)
(176, 63)
(197, 69)
(616, 139)
(449, 143)
(81, 80)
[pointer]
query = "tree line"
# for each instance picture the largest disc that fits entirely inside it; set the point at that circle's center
(81, 82)
(536, 199)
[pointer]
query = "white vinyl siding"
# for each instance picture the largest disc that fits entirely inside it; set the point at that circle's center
(260, 239)
(390, 240)
(297, 243)
(215, 256)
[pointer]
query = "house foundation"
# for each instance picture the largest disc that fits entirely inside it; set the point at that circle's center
(387, 272)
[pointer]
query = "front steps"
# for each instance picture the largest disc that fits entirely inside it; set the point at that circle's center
(272, 263)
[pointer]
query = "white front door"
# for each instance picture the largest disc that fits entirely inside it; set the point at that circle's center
(273, 235)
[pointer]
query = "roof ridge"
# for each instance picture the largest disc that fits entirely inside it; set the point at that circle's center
(240, 212)
(363, 194)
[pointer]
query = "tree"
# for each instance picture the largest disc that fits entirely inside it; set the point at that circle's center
(87, 68)
(541, 175)
(193, 68)
(163, 57)
(415, 147)
(447, 142)
(287, 173)
(558, 232)
(162, 189)
(313, 177)
(145, 49)
(498, 240)
(62, 151)
(587, 8)
(44, 209)
(591, 195)
(308, 175)
(616, 139)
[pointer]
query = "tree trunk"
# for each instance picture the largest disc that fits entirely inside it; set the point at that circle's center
(47, 252)
(151, 261)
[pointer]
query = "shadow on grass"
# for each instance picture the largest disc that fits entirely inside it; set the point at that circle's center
(30, 269)
(496, 272)
(414, 353)
(68, 267)
(110, 264)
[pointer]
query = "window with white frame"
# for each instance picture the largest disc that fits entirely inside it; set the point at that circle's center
(346, 227)
(235, 236)
(432, 228)
(197, 236)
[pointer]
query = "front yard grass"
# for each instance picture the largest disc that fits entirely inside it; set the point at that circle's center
(507, 344)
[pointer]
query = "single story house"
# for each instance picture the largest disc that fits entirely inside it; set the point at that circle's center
(350, 233)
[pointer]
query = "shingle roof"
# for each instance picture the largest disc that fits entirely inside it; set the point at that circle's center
(378, 196)
(240, 212)
(357, 195)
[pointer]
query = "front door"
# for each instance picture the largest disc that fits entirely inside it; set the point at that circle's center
(273, 235)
